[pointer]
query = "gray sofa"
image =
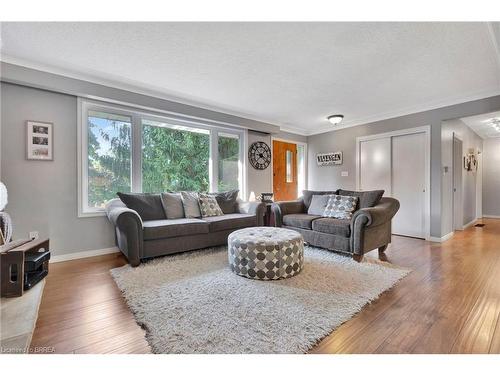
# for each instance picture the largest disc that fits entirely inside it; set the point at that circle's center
(139, 239)
(368, 229)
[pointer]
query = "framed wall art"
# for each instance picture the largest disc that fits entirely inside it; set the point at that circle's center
(39, 140)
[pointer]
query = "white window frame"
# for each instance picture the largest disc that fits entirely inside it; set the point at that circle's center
(136, 115)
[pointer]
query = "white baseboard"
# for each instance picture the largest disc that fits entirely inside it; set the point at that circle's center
(83, 254)
(491, 216)
(469, 224)
(446, 237)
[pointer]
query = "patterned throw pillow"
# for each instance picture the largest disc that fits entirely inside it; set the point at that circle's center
(209, 206)
(340, 207)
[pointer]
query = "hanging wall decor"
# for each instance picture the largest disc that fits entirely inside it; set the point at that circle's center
(329, 158)
(259, 155)
(39, 140)
(470, 162)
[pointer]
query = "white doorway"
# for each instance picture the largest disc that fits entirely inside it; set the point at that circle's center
(458, 209)
(399, 163)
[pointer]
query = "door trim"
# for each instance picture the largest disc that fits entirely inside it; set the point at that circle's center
(304, 144)
(453, 207)
(426, 129)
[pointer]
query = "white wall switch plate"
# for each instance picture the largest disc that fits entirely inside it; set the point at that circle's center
(344, 173)
(34, 235)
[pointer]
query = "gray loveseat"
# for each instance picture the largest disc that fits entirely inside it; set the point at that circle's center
(368, 229)
(139, 239)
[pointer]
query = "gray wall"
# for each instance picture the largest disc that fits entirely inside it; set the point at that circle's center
(345, 140)
(43, 194)
(469, 179)
(491, 177)
(259, 181)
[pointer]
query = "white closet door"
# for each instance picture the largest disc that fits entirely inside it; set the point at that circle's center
(375, 165)
(408, 184)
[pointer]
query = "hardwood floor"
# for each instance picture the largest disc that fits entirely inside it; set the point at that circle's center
(450, 303)
(82, 310)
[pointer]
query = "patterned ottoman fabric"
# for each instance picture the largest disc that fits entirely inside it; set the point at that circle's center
(265, 253)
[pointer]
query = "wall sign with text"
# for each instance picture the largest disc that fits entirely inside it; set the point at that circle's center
(329, 158)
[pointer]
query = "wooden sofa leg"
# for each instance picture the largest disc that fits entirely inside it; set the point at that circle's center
(358, 258)
(381, 249)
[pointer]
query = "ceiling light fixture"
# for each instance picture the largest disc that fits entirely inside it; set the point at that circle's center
(335, 119)
(495, 123)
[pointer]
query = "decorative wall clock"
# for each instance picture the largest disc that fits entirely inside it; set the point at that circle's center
(259, 155)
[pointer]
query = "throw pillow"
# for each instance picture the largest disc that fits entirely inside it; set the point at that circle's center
(369, 198)
(318, 204)
(190, 204)
(308, 194)
(172, 205)
(209, 206)
(227, 200)
(340, 207)
(147, 205)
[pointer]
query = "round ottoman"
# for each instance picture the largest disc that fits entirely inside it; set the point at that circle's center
(265, 253)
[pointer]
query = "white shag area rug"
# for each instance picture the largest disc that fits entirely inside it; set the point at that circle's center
(193, 303)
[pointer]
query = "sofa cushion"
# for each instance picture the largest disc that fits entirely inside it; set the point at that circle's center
(230, 221)
(308, 194)
(191, 204)
(369, 198)
(147, 205)
(172, 204)
(318, 204)
(338, 227)
(299, 220)
(156, 229)
(227, 200)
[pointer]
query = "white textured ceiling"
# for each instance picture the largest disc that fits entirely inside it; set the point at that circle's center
(482, 124)
(289, 74)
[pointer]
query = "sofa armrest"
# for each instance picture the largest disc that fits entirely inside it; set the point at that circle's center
(128, 228)
(383, 212)
(364, 218)
(281, 209)
(253, 208)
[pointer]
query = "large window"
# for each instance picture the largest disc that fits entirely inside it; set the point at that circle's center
(109, 142)
(123, 150)
(229, 159)
(175, 159)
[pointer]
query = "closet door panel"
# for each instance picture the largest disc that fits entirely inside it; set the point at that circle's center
(375, 165)
(408, 184)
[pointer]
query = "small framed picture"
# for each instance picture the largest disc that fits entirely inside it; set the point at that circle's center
(39, 140)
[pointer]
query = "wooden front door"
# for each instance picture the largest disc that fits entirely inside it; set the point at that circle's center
(284, 171)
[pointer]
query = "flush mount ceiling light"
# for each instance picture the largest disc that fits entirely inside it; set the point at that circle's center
(335, 119)
(495, 122)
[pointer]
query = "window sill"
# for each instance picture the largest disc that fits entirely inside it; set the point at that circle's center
(83, 215)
